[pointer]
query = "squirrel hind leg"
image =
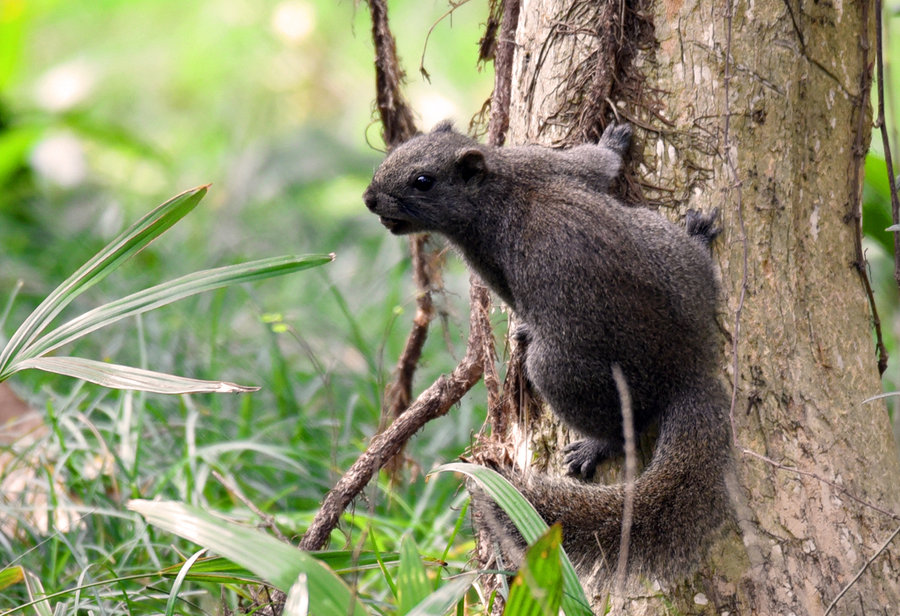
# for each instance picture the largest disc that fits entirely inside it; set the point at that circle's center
(703, 226)
(617, 137)
(583, 457)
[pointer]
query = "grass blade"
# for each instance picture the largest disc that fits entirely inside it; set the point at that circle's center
(529, 523)
(412, 579)
(179, 581)
(116, 376)
(164, 294)
(123, 247)
(444, 598)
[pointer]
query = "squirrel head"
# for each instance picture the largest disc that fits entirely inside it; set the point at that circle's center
(429, 183)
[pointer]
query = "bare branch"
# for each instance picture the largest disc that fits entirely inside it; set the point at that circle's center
(506, 47)
(860, 146)
(397, 120)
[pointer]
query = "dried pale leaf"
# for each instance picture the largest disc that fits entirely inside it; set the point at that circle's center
(125, 377)
(280, 564)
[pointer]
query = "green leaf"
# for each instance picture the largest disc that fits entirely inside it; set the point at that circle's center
(876, 205)
(15, 144)
(537, 587)
(446, 597)
(214, 569)
(36, 594)
(412, 580)
(10, 576)
(530, 524)
(278, 563)
(123, 247)
(116, 376)
(167, 293)
(223, 571)
(351, 560)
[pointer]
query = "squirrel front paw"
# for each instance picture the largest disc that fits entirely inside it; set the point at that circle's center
(583, 457)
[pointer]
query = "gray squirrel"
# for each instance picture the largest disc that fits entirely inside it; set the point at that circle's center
(593, 283)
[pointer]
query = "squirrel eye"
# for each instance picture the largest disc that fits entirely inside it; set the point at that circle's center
(423, 182)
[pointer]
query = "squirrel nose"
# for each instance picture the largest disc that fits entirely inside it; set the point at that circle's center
(370, 199)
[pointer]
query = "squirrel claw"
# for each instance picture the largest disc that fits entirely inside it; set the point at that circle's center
(702, 226)
(583, 457)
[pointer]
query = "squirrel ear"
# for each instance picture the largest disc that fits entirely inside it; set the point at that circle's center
(444, 126)
(471, 164)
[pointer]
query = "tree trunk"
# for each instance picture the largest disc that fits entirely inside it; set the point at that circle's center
(763, 112)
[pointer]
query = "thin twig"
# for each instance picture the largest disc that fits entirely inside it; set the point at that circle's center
(836, 486)
(861, 571)
(398, 126)
(268, 520)
(630, 474)
(448, 13)
(497, 128)
(399, 393)
(397, 120)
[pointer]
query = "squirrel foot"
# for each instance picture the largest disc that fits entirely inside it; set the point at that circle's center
(702, 226)
(617, 137)
(583, 457)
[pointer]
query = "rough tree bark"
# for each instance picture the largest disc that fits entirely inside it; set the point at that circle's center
(761, 109)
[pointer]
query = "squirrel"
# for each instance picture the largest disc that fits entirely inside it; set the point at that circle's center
(594, 283)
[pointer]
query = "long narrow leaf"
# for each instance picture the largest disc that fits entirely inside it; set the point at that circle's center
(444, 598)
(412, 579)
(537, 587)
(116, 376)
(278, 563)
(529, 523)
(167, 293)
(123, 247)
(222, 571)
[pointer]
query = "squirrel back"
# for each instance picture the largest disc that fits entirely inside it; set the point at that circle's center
(593, 283)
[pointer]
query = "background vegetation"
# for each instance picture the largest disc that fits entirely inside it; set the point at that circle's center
(108, 108)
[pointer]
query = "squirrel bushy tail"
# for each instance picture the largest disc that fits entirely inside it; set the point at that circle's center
(678, 499)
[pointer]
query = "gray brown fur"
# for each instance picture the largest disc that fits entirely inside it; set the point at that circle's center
(593, 283)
